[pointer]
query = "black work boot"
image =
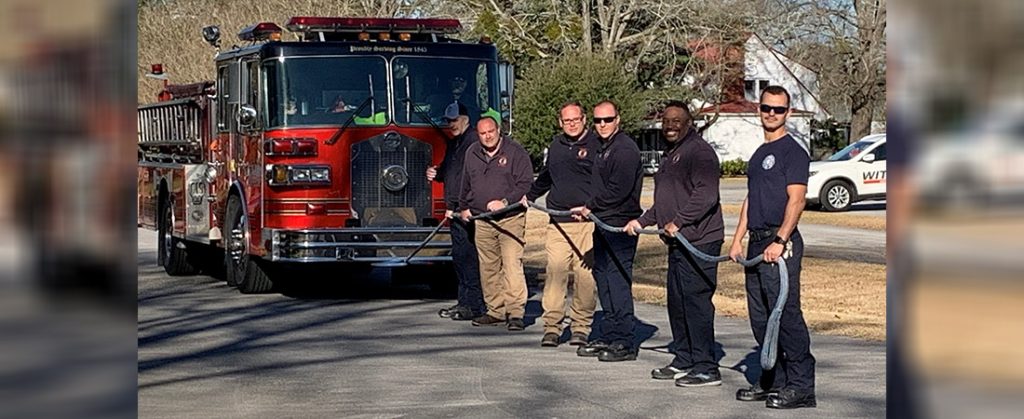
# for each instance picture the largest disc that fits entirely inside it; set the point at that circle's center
(791, 399)
(447, 311)
(617, 352)
(668, 373)
(462, 313)
(754, 394)
(700, 379)
(591, 349)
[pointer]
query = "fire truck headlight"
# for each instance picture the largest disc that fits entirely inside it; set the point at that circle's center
(320, 174)
(300, 175)
(283, 175)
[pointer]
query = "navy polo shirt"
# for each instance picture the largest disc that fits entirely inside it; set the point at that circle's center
(772, 168)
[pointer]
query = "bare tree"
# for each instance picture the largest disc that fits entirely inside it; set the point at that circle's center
(845, 42)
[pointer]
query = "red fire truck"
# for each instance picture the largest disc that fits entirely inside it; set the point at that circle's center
(311, 150)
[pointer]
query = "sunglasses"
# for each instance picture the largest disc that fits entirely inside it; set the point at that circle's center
(605, 120)
(779, 110)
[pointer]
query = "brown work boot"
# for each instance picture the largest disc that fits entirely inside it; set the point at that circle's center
(578, 339)
(487, 320)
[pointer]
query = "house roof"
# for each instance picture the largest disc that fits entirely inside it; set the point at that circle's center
(778, 56)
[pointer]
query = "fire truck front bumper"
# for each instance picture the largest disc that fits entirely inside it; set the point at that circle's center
(357, 244)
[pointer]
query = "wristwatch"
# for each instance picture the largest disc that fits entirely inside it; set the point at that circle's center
(780, 240)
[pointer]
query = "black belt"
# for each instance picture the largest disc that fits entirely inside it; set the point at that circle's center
(757, 235)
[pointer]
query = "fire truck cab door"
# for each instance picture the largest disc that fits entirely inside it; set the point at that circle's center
(246, 135)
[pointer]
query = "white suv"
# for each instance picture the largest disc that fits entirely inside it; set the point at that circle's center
(855, 173)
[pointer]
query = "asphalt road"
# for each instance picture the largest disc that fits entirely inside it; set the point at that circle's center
(352, 346)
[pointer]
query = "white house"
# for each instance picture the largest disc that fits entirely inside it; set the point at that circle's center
(736, 130)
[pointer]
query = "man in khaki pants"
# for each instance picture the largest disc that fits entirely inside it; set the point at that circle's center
(498, 172)
(566, 178)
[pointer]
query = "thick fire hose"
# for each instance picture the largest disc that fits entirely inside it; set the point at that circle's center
(497, 212)
(399, 262)
(769, 350)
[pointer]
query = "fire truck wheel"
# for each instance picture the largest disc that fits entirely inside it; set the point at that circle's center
(174, 254)
(240, 268)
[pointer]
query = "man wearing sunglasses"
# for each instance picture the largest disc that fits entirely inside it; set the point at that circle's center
(776, 185)
(617, 183)
(686, 201)
(566, 179)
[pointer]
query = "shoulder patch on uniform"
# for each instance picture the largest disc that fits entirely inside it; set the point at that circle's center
(769, 162)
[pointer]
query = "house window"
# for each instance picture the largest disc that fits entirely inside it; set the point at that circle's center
(752, 89)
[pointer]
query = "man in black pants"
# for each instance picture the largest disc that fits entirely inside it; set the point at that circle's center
(464, 257)
(618, 180)
(686, 201)
(776, 185)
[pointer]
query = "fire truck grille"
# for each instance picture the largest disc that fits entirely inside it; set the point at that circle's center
(388, 186)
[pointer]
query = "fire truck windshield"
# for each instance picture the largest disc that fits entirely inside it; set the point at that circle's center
(326, 91)
(424, 86)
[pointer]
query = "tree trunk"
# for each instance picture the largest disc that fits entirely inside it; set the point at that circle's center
(588, 43)
(860, 122)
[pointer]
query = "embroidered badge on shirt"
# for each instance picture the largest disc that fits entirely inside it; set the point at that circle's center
(582, 153)
(769, 162)
(675, 158)
(502, 161)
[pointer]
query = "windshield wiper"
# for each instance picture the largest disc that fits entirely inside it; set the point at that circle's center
(337, 135)
(424, 116)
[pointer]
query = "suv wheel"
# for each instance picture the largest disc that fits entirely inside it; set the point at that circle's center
(837, 195)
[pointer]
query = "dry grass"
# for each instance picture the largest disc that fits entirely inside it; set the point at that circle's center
(838, 297)
(828, 218)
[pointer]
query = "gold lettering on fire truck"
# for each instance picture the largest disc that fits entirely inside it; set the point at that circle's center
(394, 49)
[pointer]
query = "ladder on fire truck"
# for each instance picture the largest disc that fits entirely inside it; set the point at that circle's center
(172, 131)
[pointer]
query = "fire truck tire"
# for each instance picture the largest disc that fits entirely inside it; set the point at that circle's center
(174, 254)
(257, 278)
(240, 268)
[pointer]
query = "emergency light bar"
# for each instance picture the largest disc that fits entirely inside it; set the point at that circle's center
(357, 24)
(264, 31)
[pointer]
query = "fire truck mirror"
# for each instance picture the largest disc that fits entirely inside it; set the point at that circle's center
(212, 35)
(401, 70)
(246, 116)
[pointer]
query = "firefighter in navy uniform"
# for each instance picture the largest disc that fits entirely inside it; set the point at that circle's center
(776, 185)
(618, 180)
(567, 179)
(686, 201)
(464, 255)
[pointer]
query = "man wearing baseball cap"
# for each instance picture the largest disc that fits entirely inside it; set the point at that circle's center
(464, 256)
